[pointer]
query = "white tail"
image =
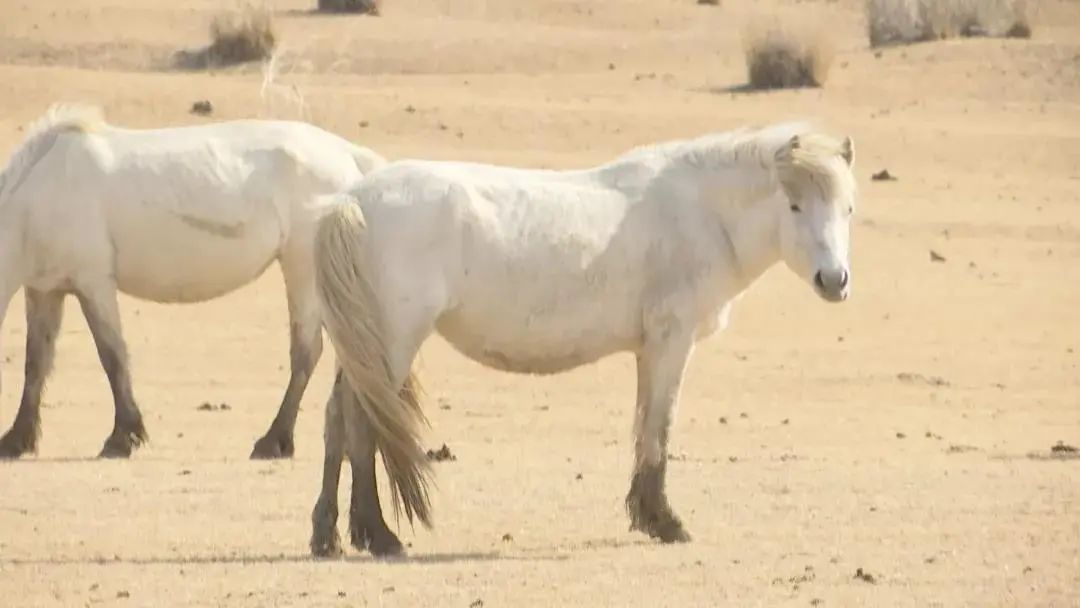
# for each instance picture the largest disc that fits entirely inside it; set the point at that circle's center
(353, 320)
(39, 140)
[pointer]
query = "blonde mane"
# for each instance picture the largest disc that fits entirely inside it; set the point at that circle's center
(796, 154)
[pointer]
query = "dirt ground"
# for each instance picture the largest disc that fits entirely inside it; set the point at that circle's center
(905, 433)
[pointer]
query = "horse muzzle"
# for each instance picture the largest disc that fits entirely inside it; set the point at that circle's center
(833, 285)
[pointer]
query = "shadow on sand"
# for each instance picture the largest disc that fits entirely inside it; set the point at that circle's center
(523, 554)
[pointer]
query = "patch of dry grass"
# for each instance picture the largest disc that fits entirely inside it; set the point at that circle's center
(366, 7)
(905, 21)
(782, 55)
(243, 36)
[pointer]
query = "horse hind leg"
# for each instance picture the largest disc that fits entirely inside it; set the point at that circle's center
(406, 330)
(44, 313)
(305, 348)
(660, 370)
(325, 541)
(367, 527)
(102, 314)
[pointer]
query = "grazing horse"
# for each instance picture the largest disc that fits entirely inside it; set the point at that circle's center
(169, 215)
(542, 271)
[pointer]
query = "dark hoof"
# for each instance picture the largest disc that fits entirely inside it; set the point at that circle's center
(325, 541)
(124, 440)
(116, 449)
(671, 532)
(381, 543)
(16, 443)
(389, 548)
(664, 526)
(326, 545)
(272, 447)
(654, 517)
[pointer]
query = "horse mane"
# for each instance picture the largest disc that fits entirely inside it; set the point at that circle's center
(767, 149)
(42, 133)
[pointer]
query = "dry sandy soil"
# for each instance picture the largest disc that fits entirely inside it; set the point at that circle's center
(905, 432)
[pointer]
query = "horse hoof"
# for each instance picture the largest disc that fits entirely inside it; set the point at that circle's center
(326, 548)
(673, 535)
(271, 447)
(9, 451)
(115, 449)
(15, 443)
(382, 544)
(388, 549)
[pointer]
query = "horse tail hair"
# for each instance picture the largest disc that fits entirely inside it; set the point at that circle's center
(42, 134)
(353, 320)
(366, 159)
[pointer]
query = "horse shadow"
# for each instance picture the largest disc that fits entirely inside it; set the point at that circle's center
(558, 553)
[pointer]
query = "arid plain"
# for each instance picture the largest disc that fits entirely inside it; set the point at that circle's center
(906, 433)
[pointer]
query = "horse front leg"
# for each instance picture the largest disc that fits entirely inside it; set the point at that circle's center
(99, 306)
(305, 348)
(660, 367)
(44, 313)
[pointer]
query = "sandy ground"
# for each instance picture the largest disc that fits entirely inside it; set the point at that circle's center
(904, 433)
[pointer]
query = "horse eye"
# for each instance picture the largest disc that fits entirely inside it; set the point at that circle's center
(796, 209)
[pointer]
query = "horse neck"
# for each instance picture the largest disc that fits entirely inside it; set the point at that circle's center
(746, 201)
(754, 230)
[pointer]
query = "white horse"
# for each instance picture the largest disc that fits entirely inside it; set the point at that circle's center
(169, 215)
(543, 271)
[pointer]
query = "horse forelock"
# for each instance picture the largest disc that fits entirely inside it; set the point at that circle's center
(816, 161)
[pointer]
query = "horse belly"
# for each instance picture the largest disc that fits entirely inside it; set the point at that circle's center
(164, 258)
(509, 335)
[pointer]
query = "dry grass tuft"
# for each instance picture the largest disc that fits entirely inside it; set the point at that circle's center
(782, 56)
(905, 21)
(241, 37)
(365, 7)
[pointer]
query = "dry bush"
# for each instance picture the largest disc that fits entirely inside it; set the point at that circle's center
(366, 7)
(905, 21)
(782, 56)
(240, 37)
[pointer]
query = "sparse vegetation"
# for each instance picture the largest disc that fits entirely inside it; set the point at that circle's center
(366, 7)
(780, 56)
(241, 37)
(905, 21)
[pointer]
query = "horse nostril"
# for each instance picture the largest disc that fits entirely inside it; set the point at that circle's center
(818, 281)
(844, 278)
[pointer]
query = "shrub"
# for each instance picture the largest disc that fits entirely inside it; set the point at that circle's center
(905, 21)
(240, 37)
(781, 56)
(367, 7)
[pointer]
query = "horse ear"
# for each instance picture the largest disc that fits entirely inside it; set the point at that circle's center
(848, 150)
(785, 151)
